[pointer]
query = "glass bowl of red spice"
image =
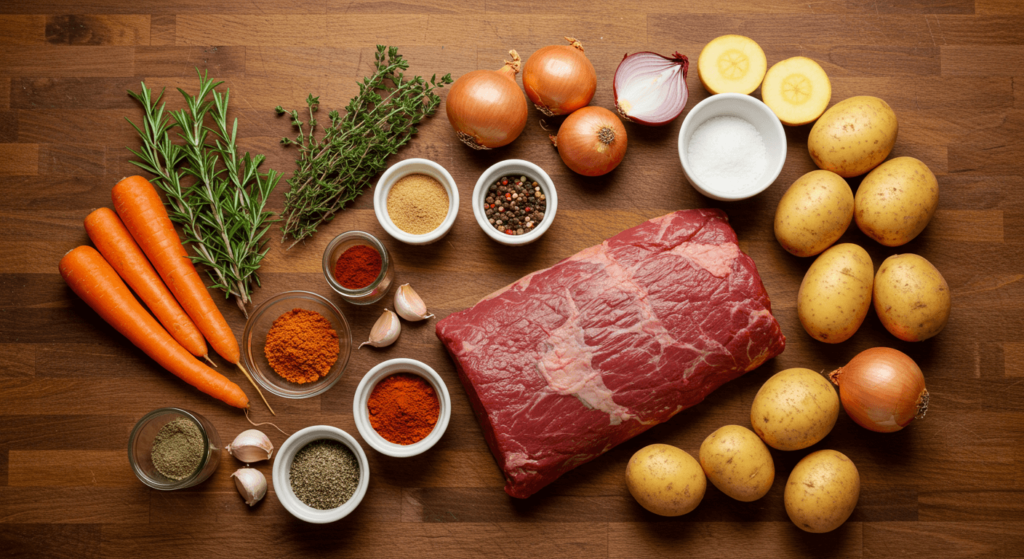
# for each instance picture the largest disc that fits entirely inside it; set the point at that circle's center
(358, 267)
(402, 408)
(296, 344)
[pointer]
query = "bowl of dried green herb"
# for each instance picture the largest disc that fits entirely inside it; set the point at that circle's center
(321, 474)
(172, 448)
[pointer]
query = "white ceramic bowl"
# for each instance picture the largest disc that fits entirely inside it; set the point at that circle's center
(514, 167)
(362, 412)
(751, 110)
(283, 466)
(409, 167)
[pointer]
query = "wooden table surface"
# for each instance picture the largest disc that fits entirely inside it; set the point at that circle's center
(71, 387)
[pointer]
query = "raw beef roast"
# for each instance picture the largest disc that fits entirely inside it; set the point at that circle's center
(570, 361)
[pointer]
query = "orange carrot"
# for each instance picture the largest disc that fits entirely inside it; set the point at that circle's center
(96, 282)
(143, 213)
(119, 249)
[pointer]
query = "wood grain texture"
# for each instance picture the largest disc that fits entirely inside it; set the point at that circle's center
(71, 388)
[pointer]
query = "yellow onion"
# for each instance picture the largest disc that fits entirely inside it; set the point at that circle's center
(486, 107)
(591, 141)
(560, 79)
(882, 389)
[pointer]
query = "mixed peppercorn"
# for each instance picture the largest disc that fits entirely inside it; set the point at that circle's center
(515, 205)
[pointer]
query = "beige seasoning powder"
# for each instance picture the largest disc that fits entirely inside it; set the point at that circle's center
(417, 204)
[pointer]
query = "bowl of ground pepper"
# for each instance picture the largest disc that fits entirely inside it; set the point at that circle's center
(296, 344)
(321, 474)
(172, 448)
(416, 201)
(402, 407)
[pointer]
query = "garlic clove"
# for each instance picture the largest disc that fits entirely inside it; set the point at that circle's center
(409, 305)
(385, 331)
(251, 484)
(251, 446)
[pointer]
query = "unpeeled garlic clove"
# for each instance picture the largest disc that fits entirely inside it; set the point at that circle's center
(251, 446)
(251, 484)
(409, 305)
(385, 331)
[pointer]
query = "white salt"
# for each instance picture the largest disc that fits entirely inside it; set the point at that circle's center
(727, 154)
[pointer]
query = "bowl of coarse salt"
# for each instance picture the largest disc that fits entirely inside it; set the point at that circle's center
(732, 147)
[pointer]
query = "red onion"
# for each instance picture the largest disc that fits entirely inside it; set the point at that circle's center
(650, 88)
(882, 389)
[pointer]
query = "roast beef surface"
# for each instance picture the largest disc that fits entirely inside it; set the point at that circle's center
(570, 361)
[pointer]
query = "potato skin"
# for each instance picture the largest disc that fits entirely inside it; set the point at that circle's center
(853, 136)
(822, 491)
(665, 480)
(911, 297)
(794, 409)
(835, 294)
(813, 213)
(737, 463)
(896, 201)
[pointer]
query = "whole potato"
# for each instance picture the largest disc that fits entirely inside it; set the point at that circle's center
(835, 294)
(737, 463)
(896, 201)
(853, 136)
(822, 491)
(911, 297)
(665, 480)
(813, 213)
(794, 409)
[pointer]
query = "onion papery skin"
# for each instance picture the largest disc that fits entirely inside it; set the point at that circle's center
(639, 94)
(882, 389)
(486, 107)
(560, 79)
(592, 141)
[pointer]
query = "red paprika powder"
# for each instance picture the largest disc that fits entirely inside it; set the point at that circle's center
(403, 408)
(358, 267)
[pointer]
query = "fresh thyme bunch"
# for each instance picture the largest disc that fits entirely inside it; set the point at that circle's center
(222, 208)
(335, 168)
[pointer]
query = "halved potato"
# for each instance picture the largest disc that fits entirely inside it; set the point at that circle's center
(731, 64)
(797, 90)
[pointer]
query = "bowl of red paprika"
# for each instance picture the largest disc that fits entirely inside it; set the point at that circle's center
(296, 344)
(402, 408)
(358, 267)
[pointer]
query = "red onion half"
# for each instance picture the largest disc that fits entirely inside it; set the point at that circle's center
(650, 88)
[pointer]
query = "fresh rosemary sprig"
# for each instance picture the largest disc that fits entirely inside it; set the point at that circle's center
(222, 211)
(333, 170)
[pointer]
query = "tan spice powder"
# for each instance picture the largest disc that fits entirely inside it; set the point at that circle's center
(417, 204)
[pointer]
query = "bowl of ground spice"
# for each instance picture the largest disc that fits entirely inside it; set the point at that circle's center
(172, 448)
(321, 474)
(416, 201)
(514, 202)
(358, 267)
(402, 407)
(296, 344)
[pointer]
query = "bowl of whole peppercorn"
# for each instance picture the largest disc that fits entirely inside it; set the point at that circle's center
(514, 202)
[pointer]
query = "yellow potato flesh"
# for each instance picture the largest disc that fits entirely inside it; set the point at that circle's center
(794, 409)
(835, 294)
(731, 64)
(854, 136)
(911, 297)
(822, 491)
(737, 463)
(797, 90)
(665, 480)
(813, 213)
(896, 201)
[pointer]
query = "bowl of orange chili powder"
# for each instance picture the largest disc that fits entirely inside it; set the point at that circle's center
(296, 344)
(402, 408)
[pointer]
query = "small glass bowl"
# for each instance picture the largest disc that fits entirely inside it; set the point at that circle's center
(371, 293)
(254, 342)
(140, 449)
